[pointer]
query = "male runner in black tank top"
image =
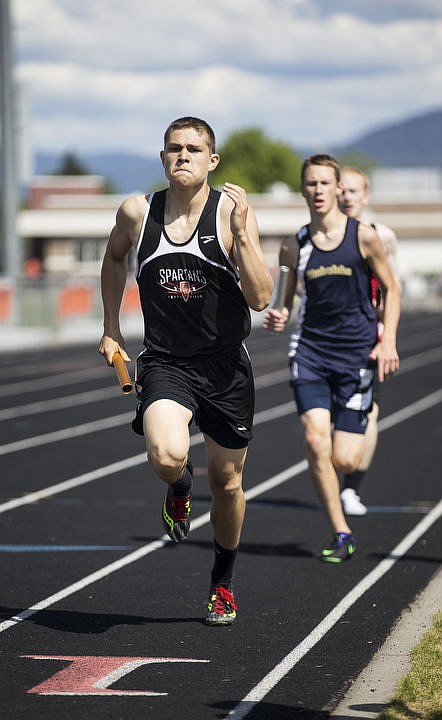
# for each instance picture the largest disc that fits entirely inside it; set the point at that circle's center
(192, 245)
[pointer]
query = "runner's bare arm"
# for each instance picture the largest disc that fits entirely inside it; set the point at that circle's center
(385, 351)
(390, 243)
(113, 277)
(256, 281)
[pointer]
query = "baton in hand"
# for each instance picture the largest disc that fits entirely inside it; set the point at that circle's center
(122, 373)
(281, 291)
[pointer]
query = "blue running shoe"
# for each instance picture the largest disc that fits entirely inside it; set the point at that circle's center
(341, 548)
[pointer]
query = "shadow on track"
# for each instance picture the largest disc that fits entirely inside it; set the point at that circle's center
(91, 623)
(278, 549)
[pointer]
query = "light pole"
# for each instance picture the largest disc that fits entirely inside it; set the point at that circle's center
(10, 248)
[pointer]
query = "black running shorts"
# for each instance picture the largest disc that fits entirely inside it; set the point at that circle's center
(219, 391)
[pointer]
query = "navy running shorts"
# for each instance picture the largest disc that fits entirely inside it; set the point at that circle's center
(347, 393)
(218, 390)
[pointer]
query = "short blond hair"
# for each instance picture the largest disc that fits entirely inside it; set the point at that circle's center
(358, 171)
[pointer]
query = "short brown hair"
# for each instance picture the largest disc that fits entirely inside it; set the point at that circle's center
(321, 159)
(199, 125)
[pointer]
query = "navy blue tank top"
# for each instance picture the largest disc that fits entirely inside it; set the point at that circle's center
(189, 292)
(336, 319)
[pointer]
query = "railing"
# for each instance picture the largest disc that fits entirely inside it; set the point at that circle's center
(54, 303)
(69, 309)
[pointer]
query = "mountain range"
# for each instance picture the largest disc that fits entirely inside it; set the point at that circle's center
(126, 173)
(414, 142)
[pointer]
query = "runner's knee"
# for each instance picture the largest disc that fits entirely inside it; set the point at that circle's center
(348, 461)
(167, 465)
(318, 443)
(225, 484)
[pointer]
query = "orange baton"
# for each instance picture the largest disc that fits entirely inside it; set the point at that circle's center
(122, 373)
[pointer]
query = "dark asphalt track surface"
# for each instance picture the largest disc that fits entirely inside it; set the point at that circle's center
(101, 617)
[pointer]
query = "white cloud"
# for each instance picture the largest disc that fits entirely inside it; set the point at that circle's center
(110, 75)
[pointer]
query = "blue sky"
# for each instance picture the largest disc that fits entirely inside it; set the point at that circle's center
(109, 75)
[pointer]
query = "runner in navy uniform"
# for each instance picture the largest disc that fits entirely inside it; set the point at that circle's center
(192, 245)
(334, 349)
(354, 198)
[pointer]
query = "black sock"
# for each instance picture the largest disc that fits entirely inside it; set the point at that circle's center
(353, 480)
(222, 571)
(183, 485)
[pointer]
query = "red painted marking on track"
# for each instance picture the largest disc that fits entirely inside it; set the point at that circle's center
(91, 674)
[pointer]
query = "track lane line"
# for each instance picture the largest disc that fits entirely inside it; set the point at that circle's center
(264, 416)
(261, 382)
(74, 431)
(426, 357)
(204, 519)
(60, 403)
(119, 466)
(54, 380)
(258, 693)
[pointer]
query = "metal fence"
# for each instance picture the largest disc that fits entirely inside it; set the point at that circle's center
(66, 308)
(54, 303)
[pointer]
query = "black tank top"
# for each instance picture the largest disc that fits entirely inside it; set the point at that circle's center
(189, 292)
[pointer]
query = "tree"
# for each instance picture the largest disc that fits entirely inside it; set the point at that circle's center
(71, 165)
(254, 161)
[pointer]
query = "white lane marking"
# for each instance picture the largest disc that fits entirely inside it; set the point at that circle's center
(292, 658)
(84, 582)
(60, 403)
(417, 407)
(51, 381)
(105, 393)
(427, 357)
(261, 417)
(88, 477)
(204, 519)
(410, 341)
(272, 378)
(66, 434)
(261, 382)
(106, 423)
